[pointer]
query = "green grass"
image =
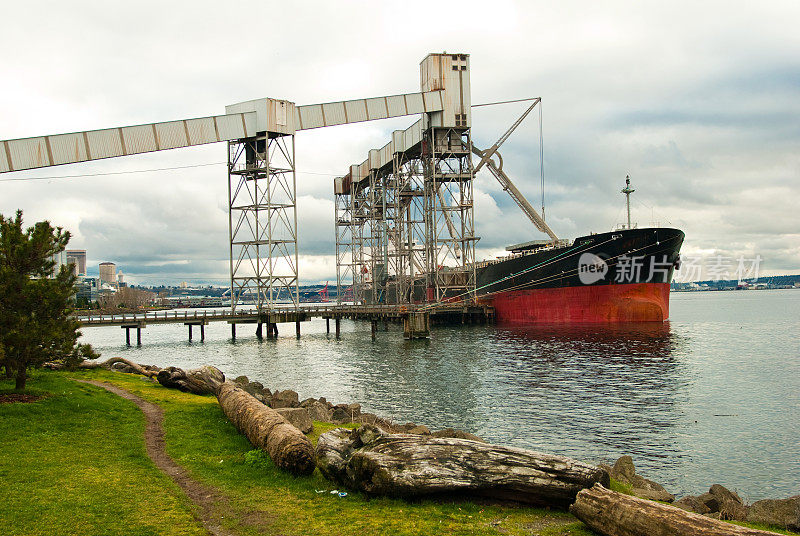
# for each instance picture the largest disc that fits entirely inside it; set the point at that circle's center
(74, 463)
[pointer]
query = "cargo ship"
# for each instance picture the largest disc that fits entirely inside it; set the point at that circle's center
(619, 276)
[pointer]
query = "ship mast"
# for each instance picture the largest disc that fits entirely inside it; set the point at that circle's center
(628, 191)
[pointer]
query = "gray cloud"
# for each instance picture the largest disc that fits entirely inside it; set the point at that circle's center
(696, 101)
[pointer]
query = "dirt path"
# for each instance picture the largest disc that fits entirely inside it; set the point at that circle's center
(213, 506)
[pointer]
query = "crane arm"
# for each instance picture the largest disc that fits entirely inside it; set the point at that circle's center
(516, 195)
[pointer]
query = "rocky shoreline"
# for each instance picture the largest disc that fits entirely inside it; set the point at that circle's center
(717, 503)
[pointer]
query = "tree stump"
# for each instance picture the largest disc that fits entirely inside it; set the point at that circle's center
(406, 465)
(615, 514)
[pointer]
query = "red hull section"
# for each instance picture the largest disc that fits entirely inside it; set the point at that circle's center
(637, 302)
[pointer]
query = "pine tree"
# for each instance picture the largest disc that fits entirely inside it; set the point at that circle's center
(36, 323)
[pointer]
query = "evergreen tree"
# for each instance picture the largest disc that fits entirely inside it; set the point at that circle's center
(36, 323)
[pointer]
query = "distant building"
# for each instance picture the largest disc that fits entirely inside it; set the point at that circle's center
(108, 273)
(87, 289)
(60, 259)
(121, 279)
(78, 258)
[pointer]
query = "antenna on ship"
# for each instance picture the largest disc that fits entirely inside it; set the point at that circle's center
(628, 191)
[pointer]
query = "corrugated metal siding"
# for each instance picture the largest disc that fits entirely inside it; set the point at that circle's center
(139, 139)
(374, 159)
(386, 154)
(354, 111)
(171, 135)
(104, 143)
(67, 148)
(30, 153)
(201, 131)
(376, 108)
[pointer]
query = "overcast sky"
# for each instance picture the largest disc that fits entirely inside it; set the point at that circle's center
(698, 101)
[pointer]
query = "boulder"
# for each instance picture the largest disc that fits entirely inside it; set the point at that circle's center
(297, 417)
(711, 502)
(456, 434)
(254, 388)
(723, 494)
(355, 411)
(285, 399)
(690, 503)
(784, 513)
(732, 511)
(624, 471)
(308, 402)
(342, 414)
(420, 429)
(367, 418)
(319, 412)
(241, 380)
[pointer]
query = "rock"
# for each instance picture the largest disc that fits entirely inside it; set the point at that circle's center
(308, 402)
(710, 501)
(241, 380)
(420, 429)
(457, 434)
(260, 398)
(404, 428)
(355, 411)
(624, 471)
(367, 418)
(341, 414)
(784, 513)
(298, 417)
(266, 392)
(285, 399)
(723, 494)
(323, 400)
(254, 388)
(690, 503)
(732, 511)
(319, 412)
(605, 468)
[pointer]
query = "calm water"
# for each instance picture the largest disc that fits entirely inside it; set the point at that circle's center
(713, 396)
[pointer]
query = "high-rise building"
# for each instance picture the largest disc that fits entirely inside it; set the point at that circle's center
(78, 258)
(108, 273)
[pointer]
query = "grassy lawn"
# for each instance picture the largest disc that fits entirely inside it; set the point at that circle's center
(74, 463)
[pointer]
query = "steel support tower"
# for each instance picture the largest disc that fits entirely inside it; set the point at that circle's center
(262, 221)
(449, 208)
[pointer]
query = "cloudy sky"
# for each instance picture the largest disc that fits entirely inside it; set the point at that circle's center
(698, 101)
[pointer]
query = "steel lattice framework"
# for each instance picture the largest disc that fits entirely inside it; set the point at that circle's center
(262, 223)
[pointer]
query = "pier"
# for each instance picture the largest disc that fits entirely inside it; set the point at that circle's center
(416, 319)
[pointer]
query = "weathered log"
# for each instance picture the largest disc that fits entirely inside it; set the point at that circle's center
(405, 465)
(205, 380)
(289, 449)
(616, 514)
(108, 365)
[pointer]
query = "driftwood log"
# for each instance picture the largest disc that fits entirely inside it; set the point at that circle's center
(205, 380)
(289, 449)
(405, 465)
(108, 364)
(615, 514)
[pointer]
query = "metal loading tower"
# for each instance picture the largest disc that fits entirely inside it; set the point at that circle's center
(262, 221)
(415, 199)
